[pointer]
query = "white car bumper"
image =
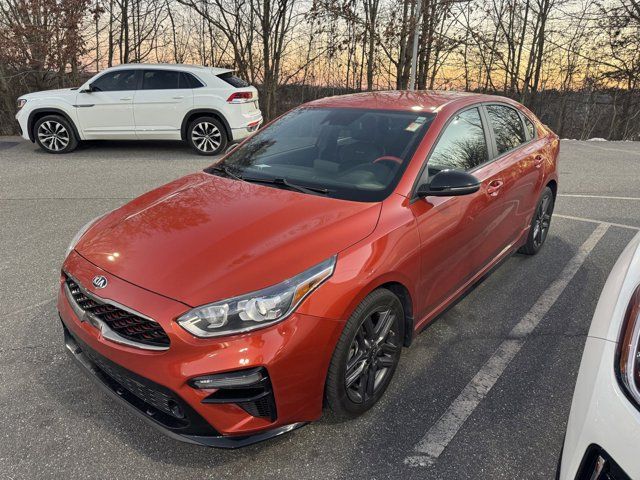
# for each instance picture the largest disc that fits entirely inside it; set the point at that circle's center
(22, 117)
(601, 416)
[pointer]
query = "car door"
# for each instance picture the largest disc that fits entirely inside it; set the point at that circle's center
(105, 108)
(161, 103)
(450, 227)
(510, 181)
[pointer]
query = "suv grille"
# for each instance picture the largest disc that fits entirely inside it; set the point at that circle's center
(127, 325)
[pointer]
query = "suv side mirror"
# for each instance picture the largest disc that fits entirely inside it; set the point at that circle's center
(89, 89)
(449, 183)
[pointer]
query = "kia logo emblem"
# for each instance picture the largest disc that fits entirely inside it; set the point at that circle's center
(99, 281)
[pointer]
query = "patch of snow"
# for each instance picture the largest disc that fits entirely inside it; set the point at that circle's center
(597, 139)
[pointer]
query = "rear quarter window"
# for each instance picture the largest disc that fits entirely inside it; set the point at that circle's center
(507, 127)
(233, 80)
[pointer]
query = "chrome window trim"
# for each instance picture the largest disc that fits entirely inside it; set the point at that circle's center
(105, 330)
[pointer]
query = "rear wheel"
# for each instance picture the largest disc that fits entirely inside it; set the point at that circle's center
(54, 134)
(207, 136)
(540, 224)
(366, 355)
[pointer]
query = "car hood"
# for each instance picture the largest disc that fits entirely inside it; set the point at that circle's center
(204, 238)
(48, 93)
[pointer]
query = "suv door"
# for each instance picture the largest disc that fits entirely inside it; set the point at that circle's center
(105, 110)
(161, 103)
(450, 228)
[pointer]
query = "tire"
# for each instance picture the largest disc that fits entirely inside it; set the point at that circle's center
(361, 370)
(207, 136)
(54, 134)
(540, 223)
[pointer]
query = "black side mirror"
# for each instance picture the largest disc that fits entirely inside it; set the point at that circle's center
(449, 183)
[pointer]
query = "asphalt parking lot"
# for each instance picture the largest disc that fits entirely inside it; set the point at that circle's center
(459, 407)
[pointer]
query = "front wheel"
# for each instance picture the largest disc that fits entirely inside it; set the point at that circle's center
(540, 224)
(366, 355)
(206, 135)
(54, 134)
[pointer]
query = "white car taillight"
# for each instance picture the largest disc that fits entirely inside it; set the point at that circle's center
(629, 359)
(240, 97)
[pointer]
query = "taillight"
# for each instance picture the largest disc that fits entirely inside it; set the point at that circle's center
(629, 359)
(240, 97)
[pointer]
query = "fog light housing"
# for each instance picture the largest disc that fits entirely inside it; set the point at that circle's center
(249, 389)
(238, 379)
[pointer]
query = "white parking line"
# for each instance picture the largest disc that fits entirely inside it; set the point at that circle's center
(599, 222)
(442, 432)
(607, 197)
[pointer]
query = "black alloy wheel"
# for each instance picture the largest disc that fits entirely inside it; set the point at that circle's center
(540, 223)
(366, 355)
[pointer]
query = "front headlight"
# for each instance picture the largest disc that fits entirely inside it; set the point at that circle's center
(76, 238)
(21, 103)
(257, 309)
(629, 348)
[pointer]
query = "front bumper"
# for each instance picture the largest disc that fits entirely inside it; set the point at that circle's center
(603, 422)
(295, 353)
(22, 119)
(197, 431)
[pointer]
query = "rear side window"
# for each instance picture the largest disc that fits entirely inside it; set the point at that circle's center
(160, 80)
(189, 81)
(116, 81)
(232, 80)
(528, 124)
(462, 145)
(507, 127)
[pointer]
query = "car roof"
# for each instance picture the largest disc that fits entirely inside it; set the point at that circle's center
(175, 66)
(419, 100)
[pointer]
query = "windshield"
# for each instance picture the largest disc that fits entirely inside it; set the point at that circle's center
(352, 154)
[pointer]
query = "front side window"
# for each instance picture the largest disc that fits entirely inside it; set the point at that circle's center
(347, 153)
(507, 127)
(462, 145)
(116, 81)
(160, 80)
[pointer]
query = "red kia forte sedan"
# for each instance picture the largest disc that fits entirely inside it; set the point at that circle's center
(231, 305)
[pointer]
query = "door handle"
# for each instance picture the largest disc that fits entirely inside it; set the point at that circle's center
(179, 97)
(494, 187)
(538, 161)
(125, 99)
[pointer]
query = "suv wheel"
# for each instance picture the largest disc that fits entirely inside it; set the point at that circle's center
(207, 136)
(366, 355)
(54, 134)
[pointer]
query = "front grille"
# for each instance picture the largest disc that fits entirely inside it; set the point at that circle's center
(126, 324)
(154, 397)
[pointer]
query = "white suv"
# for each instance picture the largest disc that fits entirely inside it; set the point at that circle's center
(206, 107)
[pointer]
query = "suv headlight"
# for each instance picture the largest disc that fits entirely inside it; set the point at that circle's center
(76, 238)
(629, 348)
(257, 309)
(21, 103)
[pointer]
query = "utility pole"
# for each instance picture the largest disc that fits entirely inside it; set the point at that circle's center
(414, 55)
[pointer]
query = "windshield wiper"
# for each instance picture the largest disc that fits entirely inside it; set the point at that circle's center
(225, 170)
(283, 182)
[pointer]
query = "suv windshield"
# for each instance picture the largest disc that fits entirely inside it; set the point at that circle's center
(352, 154)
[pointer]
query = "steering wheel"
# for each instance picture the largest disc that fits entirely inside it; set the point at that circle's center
(389, 158)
